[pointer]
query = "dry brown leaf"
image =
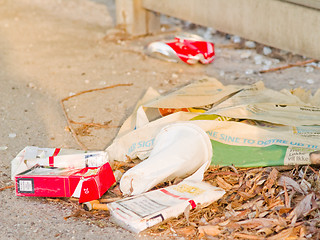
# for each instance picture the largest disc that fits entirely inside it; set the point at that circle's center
(284, 210)
(266, 231)
(302, 232)
(116, 190)
(288, 234)
(286, 196)
(258, 222)
(290, 184)
(236, 204)
(209, 230)
(225, 223)
(251, 204)
(240, 215)
(271, 179)
(275, 202)
(263, 214)
(247, 236)
(302, 207)
(233, 226)
(186, 231)
(223, 184)
(247, 195)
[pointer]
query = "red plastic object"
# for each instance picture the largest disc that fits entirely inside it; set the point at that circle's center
(42, 181)
(191, 51)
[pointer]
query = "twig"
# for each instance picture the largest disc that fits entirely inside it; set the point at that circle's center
(286, 196)
(4, 188)
(288, 66)
(96, 125)
(71, 129)
(97, 89)
(211, 175)
(314, 171)
(232, 45)
(77, 94)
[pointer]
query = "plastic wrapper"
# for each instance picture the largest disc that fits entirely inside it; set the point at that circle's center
(248, 126)
(179, 151)
(186, 48)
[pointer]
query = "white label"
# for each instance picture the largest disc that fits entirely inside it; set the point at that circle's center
(142, 206)
(300, 156)
(25, 185)
(155, 220)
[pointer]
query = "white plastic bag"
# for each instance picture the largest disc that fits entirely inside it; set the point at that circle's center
(180, 149)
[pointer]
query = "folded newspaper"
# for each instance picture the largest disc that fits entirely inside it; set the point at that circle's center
(249, 126)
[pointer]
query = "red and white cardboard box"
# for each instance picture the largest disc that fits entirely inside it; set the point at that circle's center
(87, 184)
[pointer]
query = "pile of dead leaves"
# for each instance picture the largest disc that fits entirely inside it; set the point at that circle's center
(260, 203)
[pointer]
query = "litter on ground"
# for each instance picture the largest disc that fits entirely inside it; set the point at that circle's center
(206, 160)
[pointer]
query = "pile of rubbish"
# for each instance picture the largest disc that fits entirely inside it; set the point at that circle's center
(216, 160)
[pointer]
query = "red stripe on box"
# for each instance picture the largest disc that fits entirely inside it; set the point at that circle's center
(56, 152)
(51, 159)
(173, 195)
(193, 204)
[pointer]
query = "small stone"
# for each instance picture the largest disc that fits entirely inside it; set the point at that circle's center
(292, 82)
(245, 54)
(31, 85)
(174, 75)
(12, 135)
(250, 44)
(267, 50)
(312, 64)
(267, 62)
(265, 68)
(128, 73)
(221, 73)
(86, 81)
(71, 94)
(309, 69)
(208, 33)
(310, 81)
(2, 148)
(102, 83)
(249, 71)
(236, 39)
(258, 60)
(213, 31)
(276, 61)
